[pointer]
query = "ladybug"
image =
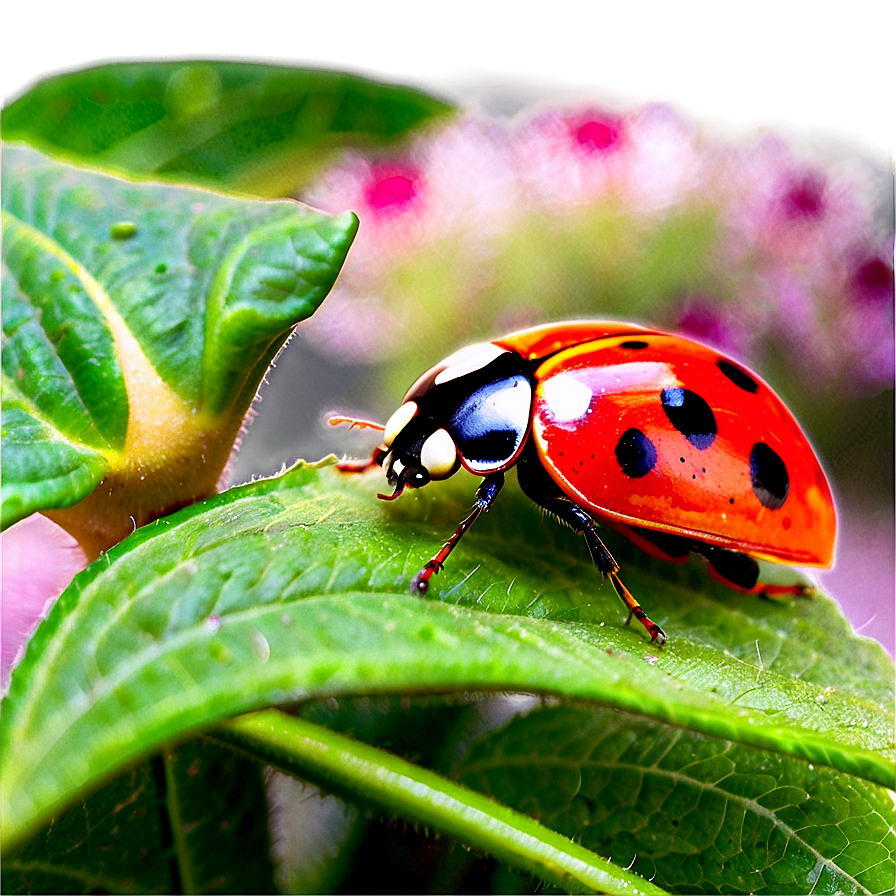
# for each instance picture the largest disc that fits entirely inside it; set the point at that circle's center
(653, 435)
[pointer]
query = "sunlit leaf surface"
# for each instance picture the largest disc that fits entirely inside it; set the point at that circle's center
(296, 587)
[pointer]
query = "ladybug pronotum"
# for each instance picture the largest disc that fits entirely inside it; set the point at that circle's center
(656, 436)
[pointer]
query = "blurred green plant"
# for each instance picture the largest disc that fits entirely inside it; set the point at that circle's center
(754, 753)
(245, 127)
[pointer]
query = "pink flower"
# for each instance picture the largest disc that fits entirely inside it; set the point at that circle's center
(39, 560)
(667, 164)
(447, 195)
(389, 196)
(596, 132)
(564, 159)
(510, 211)
(790, 209)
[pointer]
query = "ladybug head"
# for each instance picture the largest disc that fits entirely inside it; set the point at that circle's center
(415, 450)
(472, 410)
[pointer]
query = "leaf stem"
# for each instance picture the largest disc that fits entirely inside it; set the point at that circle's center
(344, 765)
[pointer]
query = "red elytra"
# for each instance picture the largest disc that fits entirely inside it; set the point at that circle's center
(657, 436)
(703, 491)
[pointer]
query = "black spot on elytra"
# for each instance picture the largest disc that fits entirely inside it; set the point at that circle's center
(768, 475)
(636, 453)
(633, 344)
(739, 377)
(690, 415)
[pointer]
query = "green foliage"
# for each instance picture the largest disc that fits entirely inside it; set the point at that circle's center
(258, 129)
(122, 301)
(294, 587)
(184, 821)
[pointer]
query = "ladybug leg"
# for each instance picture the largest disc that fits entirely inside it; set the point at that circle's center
(488, 490)
(741, 572)
(354, 465)
(582, 524)
(662, 545)
(538, 485)
(773, 591)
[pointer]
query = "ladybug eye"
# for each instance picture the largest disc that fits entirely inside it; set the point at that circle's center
(398, 421)
(439, 455)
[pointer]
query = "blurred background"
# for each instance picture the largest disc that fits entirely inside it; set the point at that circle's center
(728, 176)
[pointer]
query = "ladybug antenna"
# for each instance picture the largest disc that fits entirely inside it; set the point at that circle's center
(399, 488)
(353, 422)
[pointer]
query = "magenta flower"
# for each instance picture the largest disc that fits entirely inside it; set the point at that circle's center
(596, 132)
(718, 324)
(390, 191)
(804, 196)
(866, 319)
(871, 281)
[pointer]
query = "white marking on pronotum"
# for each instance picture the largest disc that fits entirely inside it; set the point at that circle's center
(566, 397)
(473, 357)
(398, 421)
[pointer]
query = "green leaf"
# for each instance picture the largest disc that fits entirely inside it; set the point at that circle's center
(186, 821)
(690, 813)
(295, 587)
(214, 800)
(41, 467)
(259, 129)
(114, 842)
(138, 322)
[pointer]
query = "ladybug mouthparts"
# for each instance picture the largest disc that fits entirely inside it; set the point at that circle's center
(399, 488)
(400, 475)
